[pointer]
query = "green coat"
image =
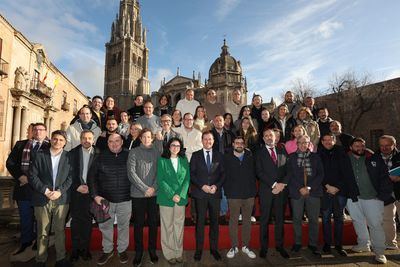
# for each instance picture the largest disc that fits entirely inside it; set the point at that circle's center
(172, 183)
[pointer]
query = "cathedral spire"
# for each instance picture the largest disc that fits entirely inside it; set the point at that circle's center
(224, 49)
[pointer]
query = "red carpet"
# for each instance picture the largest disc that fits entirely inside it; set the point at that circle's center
(349, 237)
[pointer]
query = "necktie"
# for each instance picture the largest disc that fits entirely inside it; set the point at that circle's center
(36, 147)
(208, 159)
(273, 155)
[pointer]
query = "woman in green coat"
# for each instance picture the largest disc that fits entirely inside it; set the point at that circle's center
(173, 178)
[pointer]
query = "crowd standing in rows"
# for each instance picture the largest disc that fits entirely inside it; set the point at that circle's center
(149, 163)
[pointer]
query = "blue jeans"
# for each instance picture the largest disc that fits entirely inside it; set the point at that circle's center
(223, 205)
(26, 216)
(333, 204)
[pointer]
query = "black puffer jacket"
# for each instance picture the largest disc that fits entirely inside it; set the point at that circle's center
(108, 177)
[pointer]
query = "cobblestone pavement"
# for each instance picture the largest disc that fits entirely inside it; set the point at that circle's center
(9, 242)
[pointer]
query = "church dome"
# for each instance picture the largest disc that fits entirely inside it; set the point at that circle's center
(225, 62)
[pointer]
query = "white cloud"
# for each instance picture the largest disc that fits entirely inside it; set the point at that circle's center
(327, 28)
(393, 74)
(157, 75)
(225, 7)
(70, 41)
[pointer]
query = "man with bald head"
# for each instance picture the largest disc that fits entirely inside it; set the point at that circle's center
(108, 182)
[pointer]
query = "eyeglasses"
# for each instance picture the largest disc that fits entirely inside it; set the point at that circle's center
(39, 129)
(173, 145)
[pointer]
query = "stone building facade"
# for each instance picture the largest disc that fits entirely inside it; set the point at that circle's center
(380, 103)
(127, 56)
(224, 76)
(32, 89)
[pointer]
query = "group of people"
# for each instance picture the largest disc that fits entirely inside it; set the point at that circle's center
(149, 163)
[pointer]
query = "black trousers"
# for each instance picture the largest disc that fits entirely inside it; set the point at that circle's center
(212, 205)
(269, 201)
(145, 208)
(81, 224)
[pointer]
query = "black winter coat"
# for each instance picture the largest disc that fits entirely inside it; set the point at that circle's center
(108, 176)
(240, 176)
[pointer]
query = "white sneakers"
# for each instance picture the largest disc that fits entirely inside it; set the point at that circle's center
(381, 258)
(233, 251)
(249, 253)
(360, 248)
(252, 219)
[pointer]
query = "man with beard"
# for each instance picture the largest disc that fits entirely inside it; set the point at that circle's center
(211, 105)
(81, 225)
(111, 128)
(137, 110)
(291, 103)
(342, 139)
(375, 188)
(240, 190)
(338, 182)
(84, 122)
(324, 121)
(235, 105)
(271, 170)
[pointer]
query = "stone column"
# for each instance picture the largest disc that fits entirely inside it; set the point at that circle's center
(24, 126)
(49, 128)
(16, 124)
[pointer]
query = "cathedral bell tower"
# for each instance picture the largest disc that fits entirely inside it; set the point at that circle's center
(127, 56)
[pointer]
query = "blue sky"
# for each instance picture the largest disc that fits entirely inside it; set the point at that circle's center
(277, 42)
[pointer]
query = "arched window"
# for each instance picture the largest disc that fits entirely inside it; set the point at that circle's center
(139, 61)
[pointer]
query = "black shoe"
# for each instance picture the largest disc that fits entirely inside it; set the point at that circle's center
(283, 252)
(263, 253)
(104, 258)
(153, 256)
(215, 254)
(39, 264)
(197, 255)
(74, 256)
(222, 220)
(296, 247)
(314, 251)
(22, 248)
(137, 261)
(326, 248)
(34, 246)
(341, 251)
(86, 256)
(63, 263)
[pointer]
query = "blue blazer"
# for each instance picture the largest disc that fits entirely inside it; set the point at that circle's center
(200, 176)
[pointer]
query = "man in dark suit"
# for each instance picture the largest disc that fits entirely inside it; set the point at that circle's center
(50, 177)
(207, 176)
(81, 225)
(18, 163)
(271, 170)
